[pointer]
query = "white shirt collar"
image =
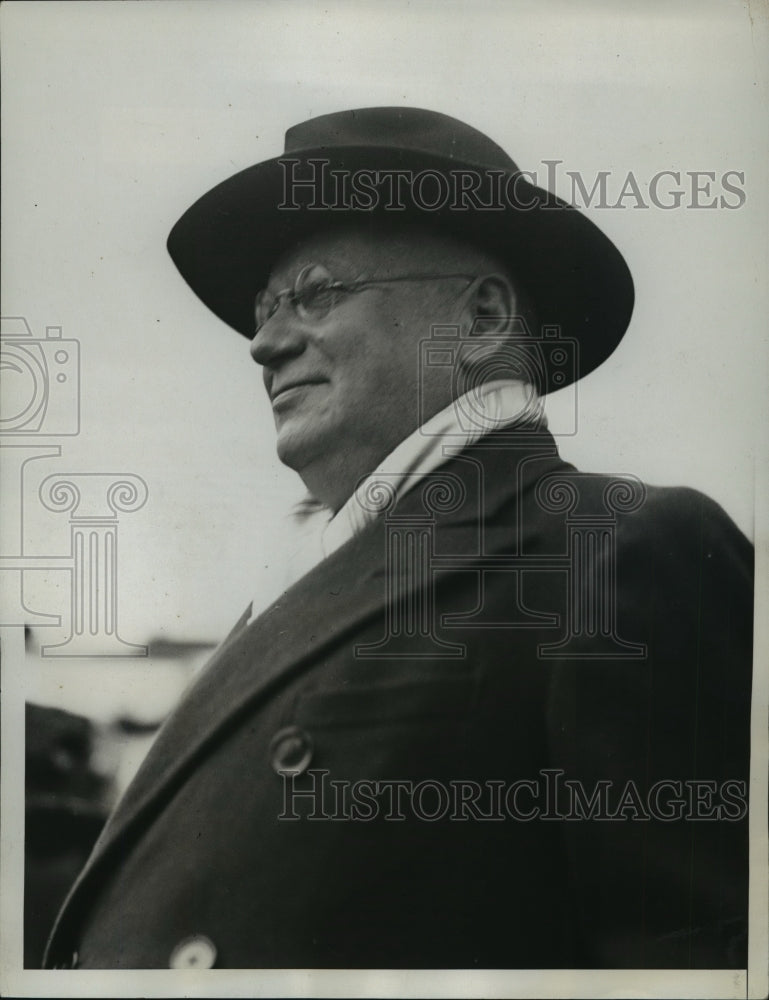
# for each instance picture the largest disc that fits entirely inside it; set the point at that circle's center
(464, 421)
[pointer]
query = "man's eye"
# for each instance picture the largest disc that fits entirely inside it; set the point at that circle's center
(319, 298)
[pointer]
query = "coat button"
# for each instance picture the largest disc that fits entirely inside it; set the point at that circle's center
(290, 751)
(196, 952)
(71, 964)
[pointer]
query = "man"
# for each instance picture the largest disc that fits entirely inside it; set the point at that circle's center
(501, 716)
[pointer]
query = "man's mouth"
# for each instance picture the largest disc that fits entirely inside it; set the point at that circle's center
(278, 392)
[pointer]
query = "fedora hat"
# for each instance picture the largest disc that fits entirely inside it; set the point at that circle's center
(408, 163)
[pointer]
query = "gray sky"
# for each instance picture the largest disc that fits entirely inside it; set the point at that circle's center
(118, 116)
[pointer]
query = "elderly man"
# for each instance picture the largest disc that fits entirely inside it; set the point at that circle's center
(500, 718)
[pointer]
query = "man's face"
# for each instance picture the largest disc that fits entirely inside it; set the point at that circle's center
(347, 383)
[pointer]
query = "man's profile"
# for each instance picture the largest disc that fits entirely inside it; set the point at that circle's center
(499, 717)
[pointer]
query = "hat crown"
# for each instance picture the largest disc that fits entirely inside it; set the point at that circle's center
(413, 129)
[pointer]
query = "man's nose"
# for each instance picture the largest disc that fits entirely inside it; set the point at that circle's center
(280, 337)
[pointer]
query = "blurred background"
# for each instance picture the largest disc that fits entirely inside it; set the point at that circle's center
(117, 117)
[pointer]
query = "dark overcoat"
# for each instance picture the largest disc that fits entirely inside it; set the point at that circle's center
(531, 689)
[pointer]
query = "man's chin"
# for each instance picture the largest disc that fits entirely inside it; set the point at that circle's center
(298, 447)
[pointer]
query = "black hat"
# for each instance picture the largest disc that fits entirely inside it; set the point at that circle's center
(415, 164)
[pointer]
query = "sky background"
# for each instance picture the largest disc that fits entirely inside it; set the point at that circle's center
(117, 116)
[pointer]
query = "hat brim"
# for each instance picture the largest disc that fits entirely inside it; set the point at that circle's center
(226, 244)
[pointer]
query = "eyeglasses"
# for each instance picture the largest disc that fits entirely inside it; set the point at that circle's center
(316, 292)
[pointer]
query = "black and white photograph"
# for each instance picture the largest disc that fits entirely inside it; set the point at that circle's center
(384, 442)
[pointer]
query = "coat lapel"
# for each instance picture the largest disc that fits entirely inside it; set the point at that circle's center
(316, 613)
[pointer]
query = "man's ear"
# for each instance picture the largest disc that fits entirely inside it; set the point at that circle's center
(492, 306)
